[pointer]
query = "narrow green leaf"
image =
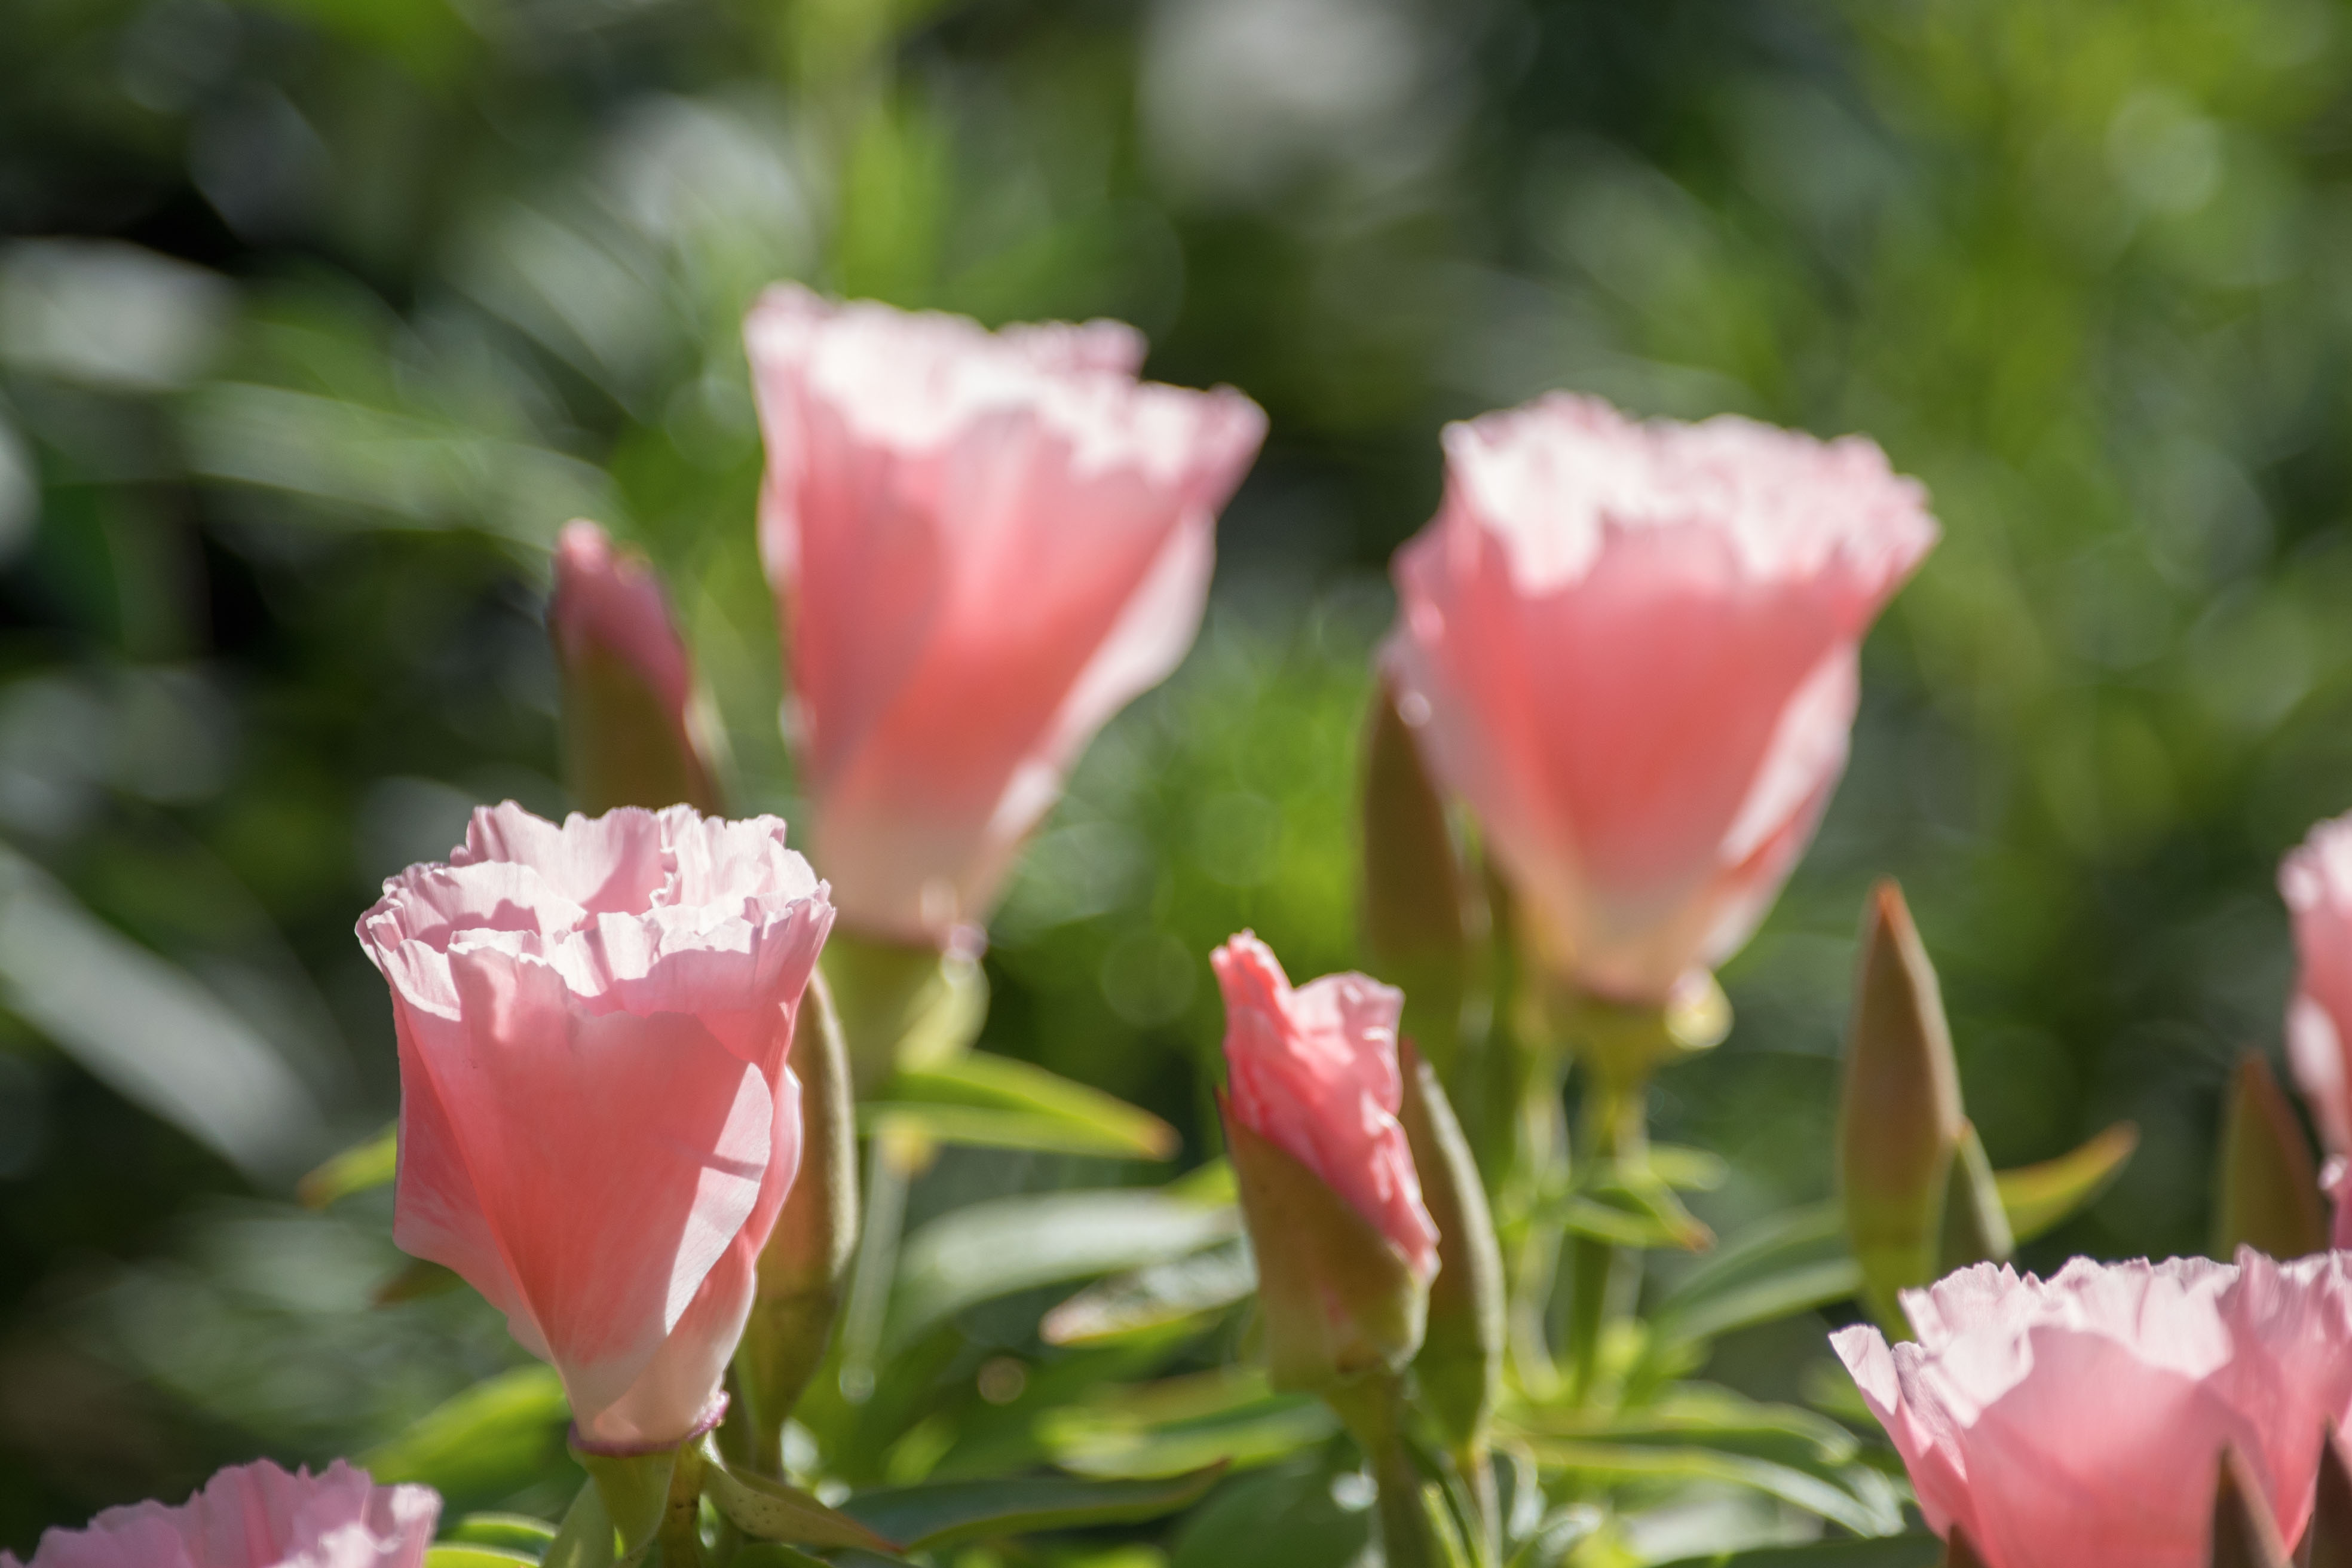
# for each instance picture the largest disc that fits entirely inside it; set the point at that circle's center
(1888, 1552)
(958, 1513)
(1183, 1424)
(1303, 1515)
(1560, 1531)
(1871, 1515)
(992, 1127)
(2039, 1198)
(356, 1170)
(1684, 1169)
(1698, 1415)
(483, 1444)
(508, 1531)
(463, 1556)
(770, 1511)
(1149, 1300)
(1000, 1083)
(1974, 1228)
(1793, 1262)
(1459, 1368)
(993, 1249)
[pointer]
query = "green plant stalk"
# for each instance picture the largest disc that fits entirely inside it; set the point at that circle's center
(680, 1532)
(1615, 1127)
(1536, 1183)
(1372, 1409)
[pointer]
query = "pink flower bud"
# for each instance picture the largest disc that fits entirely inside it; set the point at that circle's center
(597, 1127)
(1315, 1072)
(256, 1516)
(983, 546)
(2315, 881)
(2080, 1422)
(1633, 650)
(631, 733)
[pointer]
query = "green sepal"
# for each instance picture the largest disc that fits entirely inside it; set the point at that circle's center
(1461, 1360)
(622, 745)
(1899, 1116)
(902, 1004)
(1623, 1043)
(585, 1538)
(2244, 1533)
(2268, 1189)
(1973, 1228)
(768, 1509)
(1420, 904)
(635, 1488)
(809, 1251)
(1959, 1551)
(1338, 1298)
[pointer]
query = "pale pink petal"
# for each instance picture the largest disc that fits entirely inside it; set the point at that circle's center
(597, 1127)
(1315, 1070)
(2315, 880)
(608, 601)
(257, 1516)
(984, 544)
(1635, 648)
(2079, 1422)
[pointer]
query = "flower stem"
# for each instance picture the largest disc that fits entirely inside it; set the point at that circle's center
(1372, 1409)
(1615, 1127)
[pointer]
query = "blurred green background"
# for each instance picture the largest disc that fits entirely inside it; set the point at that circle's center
(317, 316)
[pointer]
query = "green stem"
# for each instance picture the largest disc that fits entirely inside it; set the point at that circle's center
(885, 1212)
(1615, 1127)
(585, 1538)
(1372, 1409)
(1475, 1460)
(681, 1525)
(1538, 1181)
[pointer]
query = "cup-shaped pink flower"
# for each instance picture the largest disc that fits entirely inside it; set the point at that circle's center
(1631, 649)
(1314, 1071)
(632, 734)
(983, 546)
(256, 1516)
(2315, 881)
(597, 1125)
(2079, 1422)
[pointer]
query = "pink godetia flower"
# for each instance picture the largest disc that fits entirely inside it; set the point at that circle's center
(2079, 1422)
(632, 725)
(597, 1125)
(983, 545)
(2315, 881)
(1631, 649)
(1314, 1071)
(256, 1516)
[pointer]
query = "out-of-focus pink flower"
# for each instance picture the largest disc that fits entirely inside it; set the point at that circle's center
(596, 1123)
(1314, 1071)
(257, 1516)
(631, 725)
(983, 545)
(2079, 1422)
(2315, 881)
(1632, 651)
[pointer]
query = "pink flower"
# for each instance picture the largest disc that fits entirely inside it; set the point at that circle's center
(631, 727)
(1315, 1072)
(2079, 1423)
(983, 546)
(1633, 650)
(597, 1123)
(2315, 881)
(256, 1516)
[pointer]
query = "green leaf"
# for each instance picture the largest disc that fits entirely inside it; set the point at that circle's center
(2039, 1198)
(989, 1127)
(1888, 1552)
(1718, 1418)
(770, 1511)
(487, 1443)
(508, 1531)
(1146, 1300)
(1793, 1262)
(1630, 1206)
(1286, 1517)
(1865, 1505)
(1000, 1083)
(463, 1556)
(993, 1249)
(1685, 1170)
(958, 1513)
(1183, 1424)
(367, 1164)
